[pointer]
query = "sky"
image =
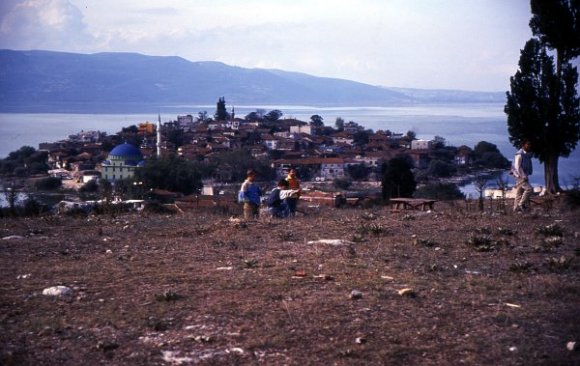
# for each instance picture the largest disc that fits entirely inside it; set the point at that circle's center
(428, 44)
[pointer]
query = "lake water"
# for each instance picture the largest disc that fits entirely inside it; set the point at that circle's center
(459, 124)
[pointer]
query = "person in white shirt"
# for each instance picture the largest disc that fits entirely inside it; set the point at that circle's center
(521, 170)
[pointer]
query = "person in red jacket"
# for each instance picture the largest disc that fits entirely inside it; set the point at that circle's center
(293, 184)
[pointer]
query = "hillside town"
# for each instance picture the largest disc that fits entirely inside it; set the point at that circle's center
(320, 153)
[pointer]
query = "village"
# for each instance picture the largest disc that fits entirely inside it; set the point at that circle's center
(324, 156)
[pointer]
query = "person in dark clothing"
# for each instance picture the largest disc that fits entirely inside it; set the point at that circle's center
(277, 206)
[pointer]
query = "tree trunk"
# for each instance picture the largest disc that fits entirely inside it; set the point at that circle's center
(551, 174)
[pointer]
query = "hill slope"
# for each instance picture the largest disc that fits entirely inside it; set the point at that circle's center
(45, 80)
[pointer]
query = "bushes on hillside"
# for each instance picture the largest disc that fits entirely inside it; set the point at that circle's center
(440, 191)
(48, 184)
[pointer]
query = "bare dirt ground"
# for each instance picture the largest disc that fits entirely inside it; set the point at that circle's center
(446, 287)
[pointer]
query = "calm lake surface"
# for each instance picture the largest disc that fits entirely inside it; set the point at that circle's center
(459, 124)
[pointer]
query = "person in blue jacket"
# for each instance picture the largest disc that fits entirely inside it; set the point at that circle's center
(250, 194)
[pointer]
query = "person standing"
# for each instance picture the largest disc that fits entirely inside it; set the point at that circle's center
(250, 193)
(521, 170)
(293, 184)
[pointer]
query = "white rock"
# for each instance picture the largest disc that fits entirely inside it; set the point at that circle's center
(571, 346)
(356, 294)
(331, 242)
(173, 358)
(58, 291)
(12, 237)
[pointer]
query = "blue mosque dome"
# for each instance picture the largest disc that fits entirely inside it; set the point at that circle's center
(126, 151)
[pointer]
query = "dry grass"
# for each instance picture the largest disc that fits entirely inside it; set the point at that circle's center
(199, 288)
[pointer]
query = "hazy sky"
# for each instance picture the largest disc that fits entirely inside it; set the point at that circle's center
(444, 44)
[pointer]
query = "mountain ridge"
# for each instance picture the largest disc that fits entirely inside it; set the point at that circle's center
(45, 81)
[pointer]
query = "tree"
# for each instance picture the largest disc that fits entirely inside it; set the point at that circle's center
(274, 115)
(557, 24)
(339, 124)
(358, 171)
(488, 155)
(174, 174)
(439, 142)
(316, 120)
(221, 114)
(202, 116)
(398, 179)
(361, 138)
(552, 125)
(440, 168)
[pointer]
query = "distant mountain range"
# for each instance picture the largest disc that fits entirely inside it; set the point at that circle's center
(46, 81)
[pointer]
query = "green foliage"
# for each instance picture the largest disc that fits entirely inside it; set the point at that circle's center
(221, 113)
(361, 138)
(439, 191)
(342, 183)
(316, 120)
(24, 162)
(543, 107)
(339, 124)
(273, 115)
(231, 166)
(550, 230)
(398, 179)
(358, 171)
(487, 155)
(48, 184)
(130, 130)
(572, 199)
(439, 168)
(556, 23)
(173, 174)
(481, 243)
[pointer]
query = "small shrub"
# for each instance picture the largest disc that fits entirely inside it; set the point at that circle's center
(374, 228)
(572, 199)
(286, 235)
(48, 184)
(408, 217)
(168, 296)
(558, 264)
(481, 243)
(357, 238)
(483, 230)
(426, 242)
(550, 230)
(506, 231)
(520, 267)
(553, 241)
(156, 208)
(369, 216)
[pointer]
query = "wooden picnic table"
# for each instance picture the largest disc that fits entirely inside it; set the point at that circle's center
(412, 203)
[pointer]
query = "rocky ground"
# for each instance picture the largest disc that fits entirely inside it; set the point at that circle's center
(339, 286)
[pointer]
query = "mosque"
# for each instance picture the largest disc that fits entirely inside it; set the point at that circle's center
(124, 159)
(122, 162)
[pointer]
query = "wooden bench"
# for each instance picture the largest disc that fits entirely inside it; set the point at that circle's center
(412, 203)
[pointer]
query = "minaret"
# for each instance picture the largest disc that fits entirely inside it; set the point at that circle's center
(159, 135)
